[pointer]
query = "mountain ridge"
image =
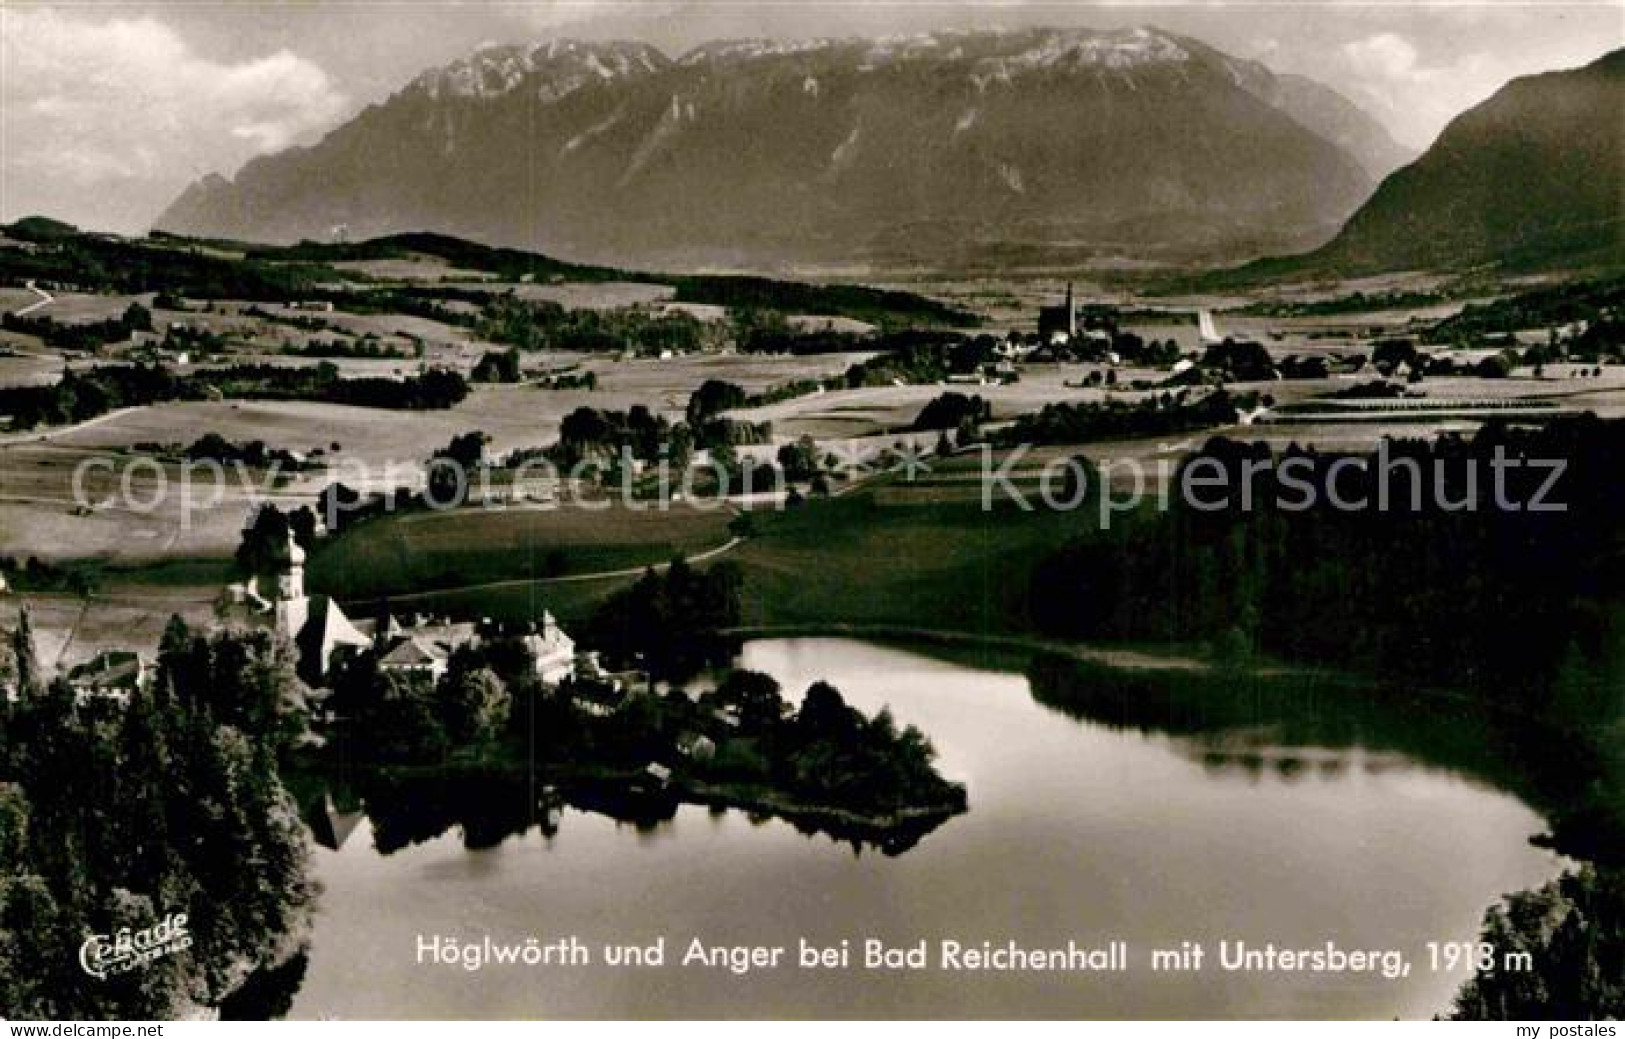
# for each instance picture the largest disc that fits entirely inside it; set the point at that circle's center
(1530, 178)
(761, 152)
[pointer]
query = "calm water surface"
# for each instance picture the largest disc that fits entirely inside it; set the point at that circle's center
(1075, 830)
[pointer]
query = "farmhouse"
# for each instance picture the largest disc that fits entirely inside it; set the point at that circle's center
(415, 656)
(422, 646)
(115, 673)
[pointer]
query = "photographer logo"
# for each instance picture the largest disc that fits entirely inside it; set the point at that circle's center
(105, 955)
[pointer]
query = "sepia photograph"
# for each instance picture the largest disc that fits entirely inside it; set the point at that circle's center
(908, 511)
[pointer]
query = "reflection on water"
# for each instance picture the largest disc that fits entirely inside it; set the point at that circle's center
(1152, 814)
(489, 806)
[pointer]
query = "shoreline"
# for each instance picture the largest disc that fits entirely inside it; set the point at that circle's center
(1126, 657)
(633, 786)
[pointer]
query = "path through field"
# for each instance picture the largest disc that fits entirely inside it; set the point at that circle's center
(45, 299)
(601, 575)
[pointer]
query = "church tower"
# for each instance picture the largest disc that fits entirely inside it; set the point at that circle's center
(290, 578)
(292, 605)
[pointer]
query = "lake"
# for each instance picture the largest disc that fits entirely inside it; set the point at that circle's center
(1237, 829)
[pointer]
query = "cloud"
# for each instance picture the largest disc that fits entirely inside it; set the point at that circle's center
(1387, 55)
(94, 111)
(1413, 95)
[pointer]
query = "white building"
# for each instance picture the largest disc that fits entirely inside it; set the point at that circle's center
(553, 650)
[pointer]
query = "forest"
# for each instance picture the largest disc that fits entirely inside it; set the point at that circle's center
(115, 818)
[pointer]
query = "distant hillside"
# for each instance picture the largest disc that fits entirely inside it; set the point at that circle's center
(215, 269)
(1532, 178)
(1341, 121)
(929, 150)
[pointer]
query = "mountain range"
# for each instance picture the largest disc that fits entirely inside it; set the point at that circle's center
(1534, 177)
(944, 150)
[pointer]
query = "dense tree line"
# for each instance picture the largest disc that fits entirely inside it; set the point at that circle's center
(408, 717)
(434, 389)
(885, 307)
(824, 765)
(825, 751)
(1239, 360)
(515, 265)
(115, 816)
(1165, 414)
(1549, 306)
(539, 325)
(80, 336)
(255, 454)
(82, 395)
(1429, 579)
(1574, 931)
(367, 348)
(594, 434)
(76, 577)
(671, 623)
(953, 411)
(921, 356)
(96, 263)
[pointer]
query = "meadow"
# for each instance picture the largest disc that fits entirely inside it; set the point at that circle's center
(429, 551)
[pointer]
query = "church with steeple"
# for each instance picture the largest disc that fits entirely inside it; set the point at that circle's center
(315, 624)
(1059, 323)
(324, 636)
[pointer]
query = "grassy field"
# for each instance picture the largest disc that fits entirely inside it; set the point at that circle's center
(70, 631)
(438, 550)
(33, 368)
(667, 384)
(132, 522)
(947, 565)
(571, 602)
(872, 557)
(514, 416)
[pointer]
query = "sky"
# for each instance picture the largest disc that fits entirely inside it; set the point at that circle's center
(109, 109)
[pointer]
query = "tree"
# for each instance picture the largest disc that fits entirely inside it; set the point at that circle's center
(137, 318)
(451, 468)
(671, 623)
(824, 715)
(755, 696)
(498, 367)
(713, 397)
(387, 715)
(24, 660)
(1573, 930)
(474, 705)
(799, 459)
(953, 411)
(264, 545)
(1495, 366)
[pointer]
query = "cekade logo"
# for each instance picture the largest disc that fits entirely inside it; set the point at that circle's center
(119, 953)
